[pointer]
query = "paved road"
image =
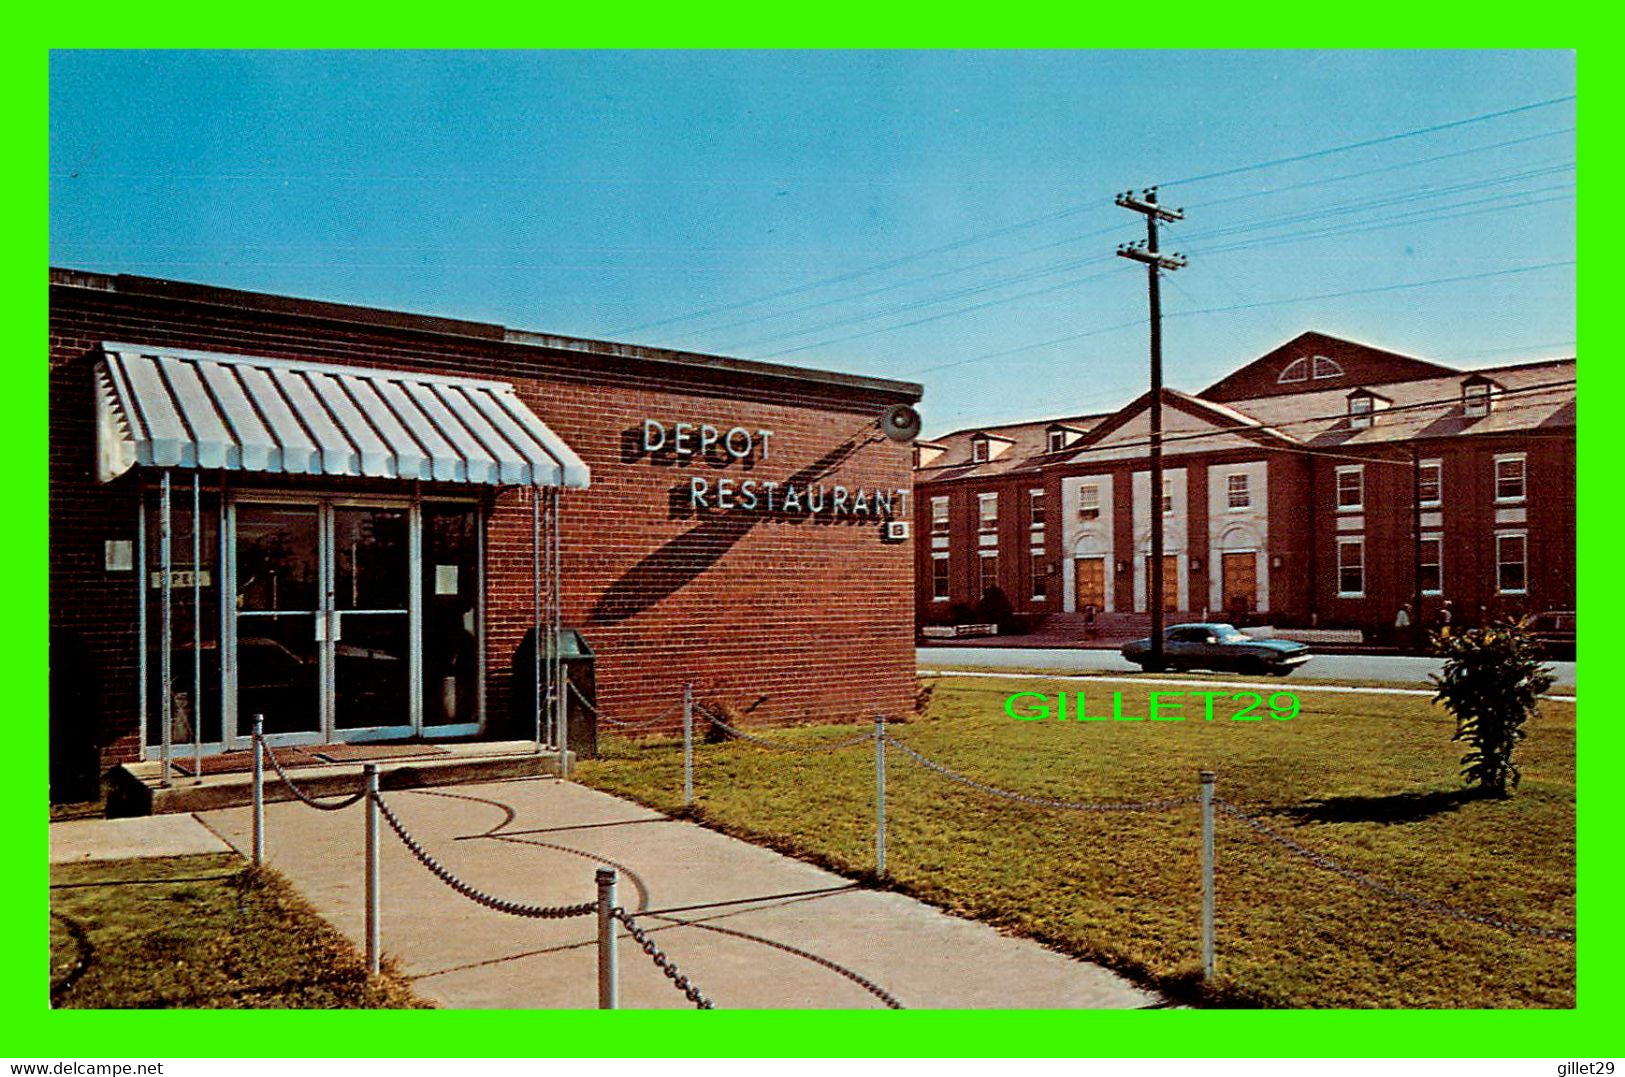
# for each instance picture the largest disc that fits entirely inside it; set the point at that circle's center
(1354, 667)
(540, 840)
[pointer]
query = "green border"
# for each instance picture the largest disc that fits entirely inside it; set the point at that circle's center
(31, 1029)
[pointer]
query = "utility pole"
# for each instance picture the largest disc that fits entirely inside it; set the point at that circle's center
(1146, 251)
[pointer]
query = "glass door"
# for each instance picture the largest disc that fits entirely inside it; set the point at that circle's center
(371, 621)
(279, 623)
(355, 620)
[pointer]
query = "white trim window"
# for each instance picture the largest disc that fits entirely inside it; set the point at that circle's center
(1089, 501)
(1361, 409)
(1510, 485)
(1167, 496)
(978, 450)
(1297, 370)
(1057, 441)
(1038, 568)
(1237, 494)
(1511, 562)
(1351, 567)
(1036, 509)
(987, 510)
(939, 515)
(989, 569)
(939, 577)
(1327, 368)
(1475, 399)
(1351, 488)
(1430, 483)
(1430, 565)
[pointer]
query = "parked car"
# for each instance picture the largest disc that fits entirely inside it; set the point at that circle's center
(1554, 631)
(1219, 647)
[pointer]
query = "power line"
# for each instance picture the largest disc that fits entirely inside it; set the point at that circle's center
(1241, 306)
(1381, 140)
(1075, 210)
(1347, 228)
(1325, 180)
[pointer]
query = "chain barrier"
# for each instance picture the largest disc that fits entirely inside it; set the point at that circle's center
(868, 985)
(276, 764)
(1042, 802)
(445, 875)
(1365, 882)
(641, 723)
(832, 746)
(662, 962)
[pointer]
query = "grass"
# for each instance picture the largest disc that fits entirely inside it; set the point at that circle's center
(203, 932)
(1368, 780)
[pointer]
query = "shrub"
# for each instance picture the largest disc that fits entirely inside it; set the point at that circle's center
(1492, 682)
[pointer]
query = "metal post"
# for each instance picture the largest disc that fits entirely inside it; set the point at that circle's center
(144, 644)
(197, 628)
(370, 772)
(608, 974)
(166, 684)
(259, 789)
(536, 602)
(880, 794)
(556, 579)
(1207, 876)
(688, 744)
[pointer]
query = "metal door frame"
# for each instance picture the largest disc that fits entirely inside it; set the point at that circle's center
(235, 729)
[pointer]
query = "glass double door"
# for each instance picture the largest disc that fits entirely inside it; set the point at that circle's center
(327, 627)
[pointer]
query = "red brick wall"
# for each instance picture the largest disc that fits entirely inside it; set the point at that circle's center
(1303, 530)
(811, 616)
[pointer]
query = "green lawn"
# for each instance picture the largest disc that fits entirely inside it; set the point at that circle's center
(1368, 780)
(201, 932)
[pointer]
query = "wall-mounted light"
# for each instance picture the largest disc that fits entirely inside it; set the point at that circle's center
(1122, 568)
(118, 555)
(1275, 562)
(1196, 564)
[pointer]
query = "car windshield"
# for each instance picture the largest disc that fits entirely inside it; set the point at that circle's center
(1232, 635)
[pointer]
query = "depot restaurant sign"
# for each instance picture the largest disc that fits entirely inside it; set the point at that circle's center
(785, 496)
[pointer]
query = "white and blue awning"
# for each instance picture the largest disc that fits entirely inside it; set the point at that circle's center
(171, 408)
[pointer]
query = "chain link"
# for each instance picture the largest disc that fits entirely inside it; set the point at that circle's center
(1042, 802)
(656, 720)
(662, 962)
(1365, 882)
(445, 875)
(276, 764)
(832, 746)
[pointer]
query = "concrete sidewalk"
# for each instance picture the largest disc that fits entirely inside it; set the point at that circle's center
(540, 841)
(79, 840)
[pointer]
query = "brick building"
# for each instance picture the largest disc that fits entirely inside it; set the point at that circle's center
(1324, 483)
(365, 483)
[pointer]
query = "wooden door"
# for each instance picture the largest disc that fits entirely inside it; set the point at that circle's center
(1170, 580)
(1089, 575)
(1240, 582)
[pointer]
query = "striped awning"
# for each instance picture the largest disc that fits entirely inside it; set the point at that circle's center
(170, 408)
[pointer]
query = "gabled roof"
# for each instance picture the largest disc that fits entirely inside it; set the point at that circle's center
(1185, 421)
(1358, 364)
(1028, 450)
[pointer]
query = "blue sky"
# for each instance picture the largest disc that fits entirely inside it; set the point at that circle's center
(943, 217)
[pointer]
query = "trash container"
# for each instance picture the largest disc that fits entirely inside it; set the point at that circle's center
(577, 659)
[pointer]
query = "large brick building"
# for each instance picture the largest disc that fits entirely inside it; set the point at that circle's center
(1325, 483)
(366, 482)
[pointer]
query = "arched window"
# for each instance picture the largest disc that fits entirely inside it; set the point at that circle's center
(1297, 370)
(1327, 368)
